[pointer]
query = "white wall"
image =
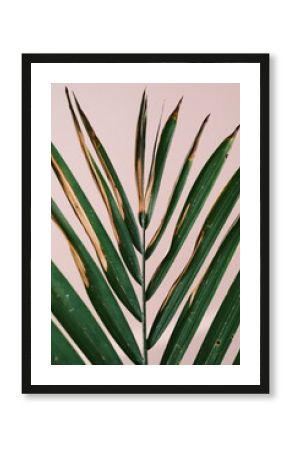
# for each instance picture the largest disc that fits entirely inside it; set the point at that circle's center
(68, 422)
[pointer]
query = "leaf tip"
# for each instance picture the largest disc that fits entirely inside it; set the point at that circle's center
(207, 118)
(197, 139)
(174, 115)
(67, 93)
(76, 100)
(234, 133)
(77, 103)
(68, 98)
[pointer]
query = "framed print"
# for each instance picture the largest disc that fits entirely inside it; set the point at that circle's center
(145, 223)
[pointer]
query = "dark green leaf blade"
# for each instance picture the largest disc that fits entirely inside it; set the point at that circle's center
(62, 353)
(119, 192)
(140, 155)
(236, 361)
(153, 156)
(77, 320)
(199, 302)
(222, 329)
(98, 291)
(119, 227)
(108, 257)
(120, 230)
(177, 191)
(159, 163)
(191, 209)
(209, 233)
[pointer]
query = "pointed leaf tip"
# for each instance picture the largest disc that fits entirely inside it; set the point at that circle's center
(197, 139)
(205, 121)
(81, 112)
(234, 133)
(174, 114)
(75, 99)
(67, 96)
(80, 109)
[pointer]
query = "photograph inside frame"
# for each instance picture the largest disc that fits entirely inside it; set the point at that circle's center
(145, 236)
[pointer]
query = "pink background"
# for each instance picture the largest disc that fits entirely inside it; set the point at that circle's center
(113, 110)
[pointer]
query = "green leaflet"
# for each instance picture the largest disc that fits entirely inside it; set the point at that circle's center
(209, 232)
(177, 191)
(108, 257)
(62, 353)
(116, 185)
(77, 320)
(120, 229)
(152, 165)
(236, 361)
(98, 291)
(140, 155)
(191, 209)
(198, 303)
(159, 163)
(222, 329)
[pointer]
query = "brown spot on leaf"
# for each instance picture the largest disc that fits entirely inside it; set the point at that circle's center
(80, 266)
(80, 213)
(92, 168)
(193, 149)
(97, 147)
(180, 222)
(174, 114)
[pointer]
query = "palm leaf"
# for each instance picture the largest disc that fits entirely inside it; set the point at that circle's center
(159, 163)
(209, 232)
(191, 209)
(116, 185)
(119, 260)
(121, 232)
(177, 191)
(98, 291)
(199, 301)
(140, 155)
(108, 257)
(61, 350)
(223, 328)
(77, 320)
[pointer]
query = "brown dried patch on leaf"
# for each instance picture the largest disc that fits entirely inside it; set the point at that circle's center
(92, 168)
(80, 214)
(234, 133)
(80, 266)
(182, 219)
(193, 149)
(174, 114)
(217, 343)
(97, 145)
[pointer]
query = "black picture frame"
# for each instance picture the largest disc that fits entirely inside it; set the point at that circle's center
(263, 61)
